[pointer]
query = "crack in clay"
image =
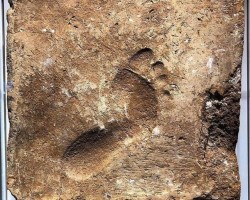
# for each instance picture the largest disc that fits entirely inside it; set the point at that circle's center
(222, 128)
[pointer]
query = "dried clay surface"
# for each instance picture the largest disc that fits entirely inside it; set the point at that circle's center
(124, 99)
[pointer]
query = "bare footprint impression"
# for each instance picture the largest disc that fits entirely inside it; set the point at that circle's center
(142, 80)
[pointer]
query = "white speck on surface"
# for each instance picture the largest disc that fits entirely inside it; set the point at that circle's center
(225, 162)
(60, 104)
(85, 86)
(236, 79)
(210, 63)
(44, 30)
(102, 105)
(194, 71)
(170, 182)
(111, 119)
(131, 20)
(48, 62)
(236, 33)
(156, 130)
(126, 109)
(131, 181)
(118, 181)
(190, 59)
(220, 50)
(209, 104)
(107, 196)
(101, 125)
(66, 92)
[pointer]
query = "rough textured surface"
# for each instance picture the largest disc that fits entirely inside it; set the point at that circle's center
(124, 99)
